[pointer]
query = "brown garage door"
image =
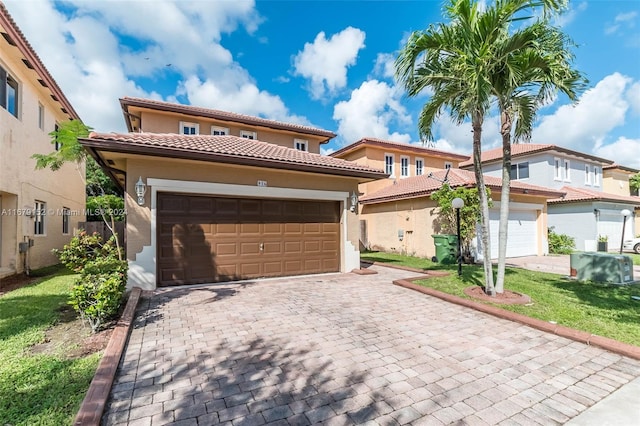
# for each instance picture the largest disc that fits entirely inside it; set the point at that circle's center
(205, 239)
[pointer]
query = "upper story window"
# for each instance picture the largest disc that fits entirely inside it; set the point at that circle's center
(447, 165)
(301, 144)
(596, 176)
(8, 92)
(587, 174)
(419, 166)
(56, 143)
(218, 131)
(38, 219)
(248, 135)
(520, 171)
(40, 116)
(557, 169)
(567, 171)
(388, 164)
(187, 128)
(404, 167)
(66, 214)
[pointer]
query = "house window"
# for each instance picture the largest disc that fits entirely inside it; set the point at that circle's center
(248, 135)
(596, 176)
(8, 93)
(388, 164)
(189, 128)
(56, 143)
(301, 145)
(567, 171)
(419, 166)
(520, 171)
(587, 174)
(40, 116)
(219, 131)
(404, 167)
(447, 165)
(557, 169)
(66, 213)
(38, 219)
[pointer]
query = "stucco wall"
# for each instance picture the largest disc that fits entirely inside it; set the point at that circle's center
(576, 220)
(616, 182)
(21, 185)
(164, 122)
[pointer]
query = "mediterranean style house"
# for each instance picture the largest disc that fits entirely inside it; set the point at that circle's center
(39, 209)
(216, 196)
(596, 190)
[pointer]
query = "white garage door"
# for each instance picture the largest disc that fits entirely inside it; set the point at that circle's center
(522, 235)
(610, 224)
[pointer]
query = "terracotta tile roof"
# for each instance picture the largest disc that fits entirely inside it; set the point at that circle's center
(421, 186)
(521, 149)
(398, 145)
(221, 115)
(226, 149)
(621, 167)
(575, 195)
(15, 37)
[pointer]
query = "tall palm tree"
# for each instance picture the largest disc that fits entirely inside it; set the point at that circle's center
(467, 63)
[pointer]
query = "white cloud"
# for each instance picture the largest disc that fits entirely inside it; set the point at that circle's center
(623, 151)
(459, 138)
(384, 66)
(370, 111)
(586, 124)
(570, 14)
(626, 20)
(633, 97)
(325, 62)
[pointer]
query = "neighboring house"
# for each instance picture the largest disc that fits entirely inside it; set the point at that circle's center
(400, 217)
(615, 180)
(40, 210)
(588, 209)
(226, 206)
(398, 160)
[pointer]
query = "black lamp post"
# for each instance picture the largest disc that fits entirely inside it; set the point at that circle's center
(458, 203)
(625, 213)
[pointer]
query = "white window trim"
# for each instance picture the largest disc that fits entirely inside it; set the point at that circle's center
(587, 174)
(303, 143)
(557, 168)
(448, 165)
(41, 114)
(246, 133)
(418, 159)
(408, 160)
(566, 166)
(66, 218)
(40, 211)
(219, 129)
(184, 124)
(393, 165)
(596, 176)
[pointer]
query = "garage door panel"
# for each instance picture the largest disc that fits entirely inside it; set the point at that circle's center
(209, 239)
(522, 237)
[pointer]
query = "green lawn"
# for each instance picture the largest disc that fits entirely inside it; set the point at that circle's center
(605, 310)
(635, 258)
(39, 389)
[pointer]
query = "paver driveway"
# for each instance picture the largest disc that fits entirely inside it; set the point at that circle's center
(347, 349)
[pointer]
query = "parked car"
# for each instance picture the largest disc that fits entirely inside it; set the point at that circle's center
(632, 245)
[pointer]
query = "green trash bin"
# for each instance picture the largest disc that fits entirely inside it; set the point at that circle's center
(446, 248)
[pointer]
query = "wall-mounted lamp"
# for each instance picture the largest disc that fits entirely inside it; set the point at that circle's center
(354, 201)
(141, 189)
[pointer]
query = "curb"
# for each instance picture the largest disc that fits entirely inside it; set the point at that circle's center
(606, 343)
(95, 400)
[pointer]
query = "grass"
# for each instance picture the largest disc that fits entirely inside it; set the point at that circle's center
(605, 310)
(635, 258)
(39, 389)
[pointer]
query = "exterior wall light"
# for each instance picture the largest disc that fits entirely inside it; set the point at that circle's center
(141, 189)
(354, 202)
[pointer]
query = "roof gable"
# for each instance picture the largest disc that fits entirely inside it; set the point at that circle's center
(526, 149)
(386, 144)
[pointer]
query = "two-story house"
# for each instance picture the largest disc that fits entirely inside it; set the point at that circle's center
(587, 210)
(217, 196)
(39, 209)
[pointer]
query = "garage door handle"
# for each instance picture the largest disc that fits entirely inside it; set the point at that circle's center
(261, 246)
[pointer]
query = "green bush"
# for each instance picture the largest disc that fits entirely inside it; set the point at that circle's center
(560, 243)
(97, 298)
(86, 248)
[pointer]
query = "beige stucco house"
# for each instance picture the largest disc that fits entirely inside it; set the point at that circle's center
(229, 196)
(39, 209)
(615, 180)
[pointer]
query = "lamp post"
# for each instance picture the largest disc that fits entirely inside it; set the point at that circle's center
(458, 203)
(625, 214)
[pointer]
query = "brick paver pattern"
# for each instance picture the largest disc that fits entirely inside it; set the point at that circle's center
(345, 349)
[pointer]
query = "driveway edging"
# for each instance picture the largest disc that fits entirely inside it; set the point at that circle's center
(95, 400)
(606, 343)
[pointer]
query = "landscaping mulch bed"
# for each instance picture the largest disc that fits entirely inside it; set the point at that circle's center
(508, 297)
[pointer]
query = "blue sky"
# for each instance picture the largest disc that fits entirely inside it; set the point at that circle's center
(324, 63)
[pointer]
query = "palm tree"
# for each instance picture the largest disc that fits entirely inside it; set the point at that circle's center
(468, 63)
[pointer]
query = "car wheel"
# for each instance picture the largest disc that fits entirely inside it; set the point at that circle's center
(636, 248)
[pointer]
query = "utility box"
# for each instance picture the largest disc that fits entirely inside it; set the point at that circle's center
(446, 248)
(601, 267)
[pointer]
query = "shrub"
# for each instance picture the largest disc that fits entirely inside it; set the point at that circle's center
(97, 298)
(85, 248)
(560, 243)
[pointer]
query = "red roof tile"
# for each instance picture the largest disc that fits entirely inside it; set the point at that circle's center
(520, 149)
(421, 186)
(574, 195)
(226, 149)
(222, 115)
(397, 145)
(620, 167)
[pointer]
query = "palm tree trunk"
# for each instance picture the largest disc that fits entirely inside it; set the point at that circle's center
(505, 130)
(484, 204)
